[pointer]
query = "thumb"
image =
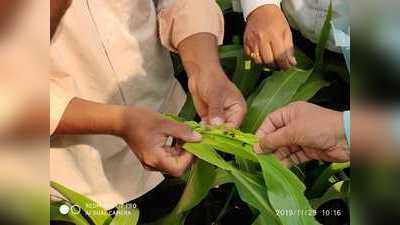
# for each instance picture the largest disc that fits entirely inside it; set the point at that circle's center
(275, 140)
(216, 110)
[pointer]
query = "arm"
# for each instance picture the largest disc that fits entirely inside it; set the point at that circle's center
(86, 117)
(268, 38)
(216, 98)
(185, 29)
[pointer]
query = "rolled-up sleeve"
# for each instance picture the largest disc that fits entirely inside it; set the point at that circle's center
(183, 18)
(61, 93)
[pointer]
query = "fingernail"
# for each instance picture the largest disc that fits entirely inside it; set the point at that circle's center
(257, 148)
(217, 121)
(293, 61)
(196, 135)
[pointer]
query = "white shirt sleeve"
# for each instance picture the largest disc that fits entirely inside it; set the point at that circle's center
(249, 6)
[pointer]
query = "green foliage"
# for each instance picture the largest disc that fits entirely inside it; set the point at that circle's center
(97, 214)
(339, 190)
(225, 4)
(125, 216)
(261, 181)
(279, 188)
(278, 90)
(323, 181)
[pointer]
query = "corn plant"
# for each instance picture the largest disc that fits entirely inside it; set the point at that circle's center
(225, 156)
(261, 181)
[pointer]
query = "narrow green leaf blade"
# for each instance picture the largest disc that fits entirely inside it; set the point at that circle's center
(126, 216)
(277, 91)
(314, 83)
(225, 4)
(323, 38)
(322, 182)
(74, 218)
(285, 191)
(230, 51)
(339, 190)
(188, 111)
(246, 75)
(98, 214)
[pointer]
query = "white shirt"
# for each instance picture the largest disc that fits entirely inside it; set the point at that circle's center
(115, 52)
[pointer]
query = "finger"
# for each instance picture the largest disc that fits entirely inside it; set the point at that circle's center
(247, 50)
(278, 139)
(267, 55)
(295, 159)
(282, 153)
(216, 109)
(257, 55)
(273, 121)
(248, 45)
(288, 39)
(180, 131)
(280, 54)
(235, 113)
(175, 165)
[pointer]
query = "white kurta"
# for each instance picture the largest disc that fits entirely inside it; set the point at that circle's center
(110, 52)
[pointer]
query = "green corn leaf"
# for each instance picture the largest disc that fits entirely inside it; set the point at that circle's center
(255, 194)
(285, 191)
(249, 189)
(230, 51)
(322, 182)
(246, 74)
(188, 111)
(230, 146)
(303, 61)
(224, 4)
(323, 38)
(282, 189)
(126, 216)
(203, 177)
(277, 91)
(339, 190)
(261, 220)
(98, 214)
(314, 83)
(201, 180)
(73, 218)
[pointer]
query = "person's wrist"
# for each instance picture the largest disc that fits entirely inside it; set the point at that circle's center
(117, 118)
(205, 70)
(261, 10)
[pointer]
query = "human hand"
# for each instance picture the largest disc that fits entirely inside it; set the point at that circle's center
(146, 132)
(301, 132)
(217, 99)
(268, 39)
